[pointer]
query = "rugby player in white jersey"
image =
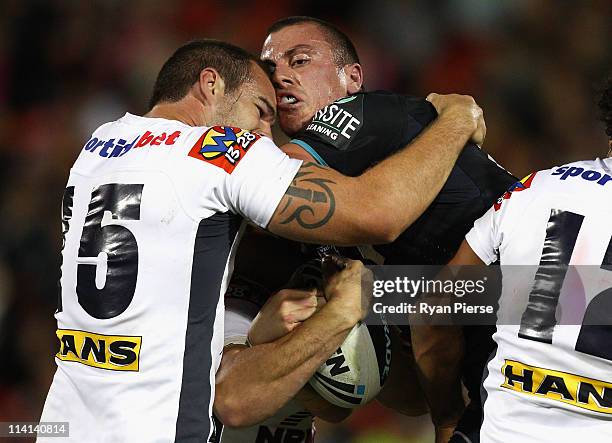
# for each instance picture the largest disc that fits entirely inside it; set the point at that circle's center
(152, 215)
(550, 379)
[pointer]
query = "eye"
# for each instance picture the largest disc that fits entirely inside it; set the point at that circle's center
(265, 115)
(299, 60)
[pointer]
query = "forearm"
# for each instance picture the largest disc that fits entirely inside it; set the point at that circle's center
(438, 353)
(258, 381)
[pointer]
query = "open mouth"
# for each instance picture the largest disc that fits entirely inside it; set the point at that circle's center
(288, 99)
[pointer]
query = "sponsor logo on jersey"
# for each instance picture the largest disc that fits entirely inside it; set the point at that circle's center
(114, 352)
(119, 147)
(519, 186)
(223, 146)
(574, 390)
(339, 122)
(589, 175)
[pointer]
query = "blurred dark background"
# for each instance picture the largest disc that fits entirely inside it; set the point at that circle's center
(68, 66)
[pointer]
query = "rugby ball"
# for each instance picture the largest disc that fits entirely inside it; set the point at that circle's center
(357, 371)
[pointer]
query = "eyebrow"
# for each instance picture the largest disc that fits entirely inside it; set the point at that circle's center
(289, 53)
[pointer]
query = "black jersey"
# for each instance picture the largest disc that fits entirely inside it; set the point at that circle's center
(355, 132)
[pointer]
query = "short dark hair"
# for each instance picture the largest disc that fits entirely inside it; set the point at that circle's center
(605, 107)
(343, 49)
(183, 68)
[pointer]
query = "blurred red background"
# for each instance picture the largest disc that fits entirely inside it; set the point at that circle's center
(68, 66)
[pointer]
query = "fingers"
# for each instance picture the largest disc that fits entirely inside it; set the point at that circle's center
(481, 132)
(443, 102)
(331, 264)
(282, 313)
(295, 294)
(299, 315)
(463, 107)
(336, 263)
(343, 269)
(296, 306)
(293, 306)
(434, 99)
(345, 287)
(339, 262)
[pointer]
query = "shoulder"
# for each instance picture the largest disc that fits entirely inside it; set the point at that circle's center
(413, 106)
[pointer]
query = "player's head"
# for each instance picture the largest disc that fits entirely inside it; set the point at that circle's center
(605, 106)
(217, 84)
(313, 65)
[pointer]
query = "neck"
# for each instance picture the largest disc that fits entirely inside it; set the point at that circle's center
(187, 110)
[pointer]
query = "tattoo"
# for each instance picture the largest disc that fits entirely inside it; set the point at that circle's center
(314, 200)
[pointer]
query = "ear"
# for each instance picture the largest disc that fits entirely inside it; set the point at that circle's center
(211, 86)
(354, 78)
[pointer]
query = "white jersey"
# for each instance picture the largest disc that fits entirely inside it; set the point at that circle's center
(292, 423)
(151, 218)
(551, 376)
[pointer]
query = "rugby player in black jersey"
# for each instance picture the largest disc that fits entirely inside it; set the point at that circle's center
(255, 386)
(322, 106)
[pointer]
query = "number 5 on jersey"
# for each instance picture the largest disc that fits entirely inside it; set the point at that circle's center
(107, 263)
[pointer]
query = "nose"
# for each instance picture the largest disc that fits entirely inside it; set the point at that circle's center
(283, 76)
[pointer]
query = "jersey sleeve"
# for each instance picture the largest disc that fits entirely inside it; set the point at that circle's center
(256, 185)
(357, 131)
(483, 238)
(487, 235)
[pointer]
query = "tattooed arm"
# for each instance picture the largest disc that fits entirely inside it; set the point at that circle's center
(324, 206)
